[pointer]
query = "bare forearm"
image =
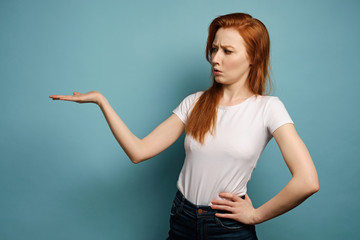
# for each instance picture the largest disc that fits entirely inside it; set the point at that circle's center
(139, 150)
(127, 140)
(294, 193)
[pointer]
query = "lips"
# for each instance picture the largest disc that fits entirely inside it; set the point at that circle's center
(216, 71)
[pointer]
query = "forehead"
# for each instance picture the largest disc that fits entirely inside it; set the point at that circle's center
(228, 36)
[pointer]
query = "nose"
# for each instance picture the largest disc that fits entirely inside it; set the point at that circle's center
(215, 58)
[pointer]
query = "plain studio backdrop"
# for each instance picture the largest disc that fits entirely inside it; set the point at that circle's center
(64, 176)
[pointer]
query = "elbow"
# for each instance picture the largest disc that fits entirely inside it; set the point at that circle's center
(135, 160)
(314, 184)
(139, 155)
(315, 188)
(138, 158)
(312, 187)
(308, 186)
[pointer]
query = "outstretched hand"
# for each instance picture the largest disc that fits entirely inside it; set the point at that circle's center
(89, 97)
(241, 210)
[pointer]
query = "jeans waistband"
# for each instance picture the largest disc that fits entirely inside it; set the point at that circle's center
(203, 210)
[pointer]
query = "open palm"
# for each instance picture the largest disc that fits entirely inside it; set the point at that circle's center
(89, 97)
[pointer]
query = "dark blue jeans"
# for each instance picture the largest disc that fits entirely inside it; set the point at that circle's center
(197, 222)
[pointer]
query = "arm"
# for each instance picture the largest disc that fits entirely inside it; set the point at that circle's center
(304, 181)
(303, 184)
(137, 149)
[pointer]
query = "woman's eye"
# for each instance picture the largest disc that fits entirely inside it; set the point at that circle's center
(228, 51)
(213, 49)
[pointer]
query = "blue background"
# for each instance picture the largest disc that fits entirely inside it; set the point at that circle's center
(64, 176)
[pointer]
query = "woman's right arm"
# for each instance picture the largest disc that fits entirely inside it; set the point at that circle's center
(137, 150)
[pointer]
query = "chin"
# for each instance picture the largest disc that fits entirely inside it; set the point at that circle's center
(219, 79)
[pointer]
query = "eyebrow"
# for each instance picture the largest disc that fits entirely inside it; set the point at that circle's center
(223, 46)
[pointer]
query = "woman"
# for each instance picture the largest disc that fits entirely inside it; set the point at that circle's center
(227, 128)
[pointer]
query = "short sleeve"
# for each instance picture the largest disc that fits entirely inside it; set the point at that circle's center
(276, 115)
(183, 109)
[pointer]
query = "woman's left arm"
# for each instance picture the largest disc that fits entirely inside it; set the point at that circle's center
(304, 181)
(303, 184)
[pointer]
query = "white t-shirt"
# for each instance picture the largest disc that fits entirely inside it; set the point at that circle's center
(226, 160)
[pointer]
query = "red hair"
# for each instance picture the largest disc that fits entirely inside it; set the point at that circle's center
(257, 43)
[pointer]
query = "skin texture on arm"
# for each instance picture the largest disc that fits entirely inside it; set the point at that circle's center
(304, 181)
(303, 184)
(136, 149)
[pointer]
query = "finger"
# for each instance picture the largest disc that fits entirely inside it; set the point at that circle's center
(225, 215)
(56, 97)
(222, 207)
(230, 196)
(222, 202)
(59, 96)
(63, 97)
(69, 98)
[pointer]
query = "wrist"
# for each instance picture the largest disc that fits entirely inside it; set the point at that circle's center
(257, 217)
(100, 100)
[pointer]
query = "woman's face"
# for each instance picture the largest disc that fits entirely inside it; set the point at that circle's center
(229, 58)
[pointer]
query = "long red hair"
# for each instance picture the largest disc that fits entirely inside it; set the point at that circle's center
(257, 43)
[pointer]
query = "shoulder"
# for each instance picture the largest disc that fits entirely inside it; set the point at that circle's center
(268, 104)
(184, 108)
(190, 99)
(196, 95)
(265, 100)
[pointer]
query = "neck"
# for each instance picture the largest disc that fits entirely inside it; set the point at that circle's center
(236, 92)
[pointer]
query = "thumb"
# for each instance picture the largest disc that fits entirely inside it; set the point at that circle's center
(76, 93)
